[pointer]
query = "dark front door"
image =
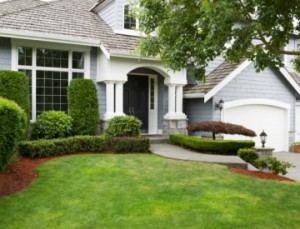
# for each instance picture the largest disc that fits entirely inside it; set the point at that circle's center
(136, 99)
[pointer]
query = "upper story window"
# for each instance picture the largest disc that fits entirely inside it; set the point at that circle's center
(130, 22)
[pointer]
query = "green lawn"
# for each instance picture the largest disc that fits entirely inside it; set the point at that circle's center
(145, 191)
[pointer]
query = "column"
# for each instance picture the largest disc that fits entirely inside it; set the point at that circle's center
(179, 99)
(119, 98)
(110, 99)
(172, 101)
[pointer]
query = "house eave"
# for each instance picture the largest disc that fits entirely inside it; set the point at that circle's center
(130, 55)
(193, 96)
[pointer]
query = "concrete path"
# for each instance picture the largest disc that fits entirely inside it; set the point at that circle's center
(294, 158)
(176, 152)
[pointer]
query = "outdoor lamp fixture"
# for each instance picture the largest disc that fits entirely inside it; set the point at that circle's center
(219, 105)
(263, 138)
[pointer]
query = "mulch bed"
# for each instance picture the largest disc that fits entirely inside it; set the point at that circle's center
(261, 175)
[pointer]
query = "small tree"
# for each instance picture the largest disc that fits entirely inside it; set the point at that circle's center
(83, 106)
(220, 128)
(14, 86)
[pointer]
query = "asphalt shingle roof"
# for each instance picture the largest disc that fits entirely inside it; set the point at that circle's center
(213, 79)
(62, 17)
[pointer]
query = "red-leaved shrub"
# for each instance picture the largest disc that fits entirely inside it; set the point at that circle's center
(220, 128)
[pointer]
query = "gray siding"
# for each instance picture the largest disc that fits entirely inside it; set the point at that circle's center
(108, 14)
(266, 85)
(198, 111)
(5, 54)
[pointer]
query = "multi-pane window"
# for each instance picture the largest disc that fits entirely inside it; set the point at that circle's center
(130, 22)
(49, 72)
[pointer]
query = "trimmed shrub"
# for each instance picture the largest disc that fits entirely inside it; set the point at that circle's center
(123, 126)
(52, 124)
(248, 155)
(52, 147)
(220, 128)
(83, 106)
(222, 147)
(14, 86)
(13, 121)
(130, 144)
(273, 165)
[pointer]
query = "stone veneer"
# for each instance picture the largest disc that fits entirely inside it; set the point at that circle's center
(174, 126)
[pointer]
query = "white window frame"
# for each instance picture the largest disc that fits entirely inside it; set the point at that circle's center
(137, 23)
(34, 68)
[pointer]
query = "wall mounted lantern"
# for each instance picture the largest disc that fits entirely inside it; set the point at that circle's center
(263, 138)
(219, 105)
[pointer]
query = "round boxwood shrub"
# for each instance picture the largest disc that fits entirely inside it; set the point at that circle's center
(83, 106)
(14, 86)
(248, 155)
(52, 124)
(123, 126)
(13, 122)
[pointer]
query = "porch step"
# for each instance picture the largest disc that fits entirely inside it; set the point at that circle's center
(158, 140)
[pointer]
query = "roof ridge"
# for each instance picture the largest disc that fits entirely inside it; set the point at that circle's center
(26, 9)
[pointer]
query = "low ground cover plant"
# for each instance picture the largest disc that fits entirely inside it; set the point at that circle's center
(248, 155)
(220, 128)
(12, 130)
(225, 147)
(83, 106)
(52, 147)
(52, 124)
(272, 165)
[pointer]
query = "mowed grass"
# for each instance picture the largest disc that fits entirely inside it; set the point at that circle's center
(145, 191)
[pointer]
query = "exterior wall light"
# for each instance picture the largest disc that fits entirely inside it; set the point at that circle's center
(263, 138)
(219, 105)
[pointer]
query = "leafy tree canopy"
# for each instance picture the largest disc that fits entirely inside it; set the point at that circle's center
(195, 32)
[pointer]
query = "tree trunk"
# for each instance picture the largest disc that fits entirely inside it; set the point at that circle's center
(214, 135)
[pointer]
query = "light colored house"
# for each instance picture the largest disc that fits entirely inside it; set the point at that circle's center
(54, 41)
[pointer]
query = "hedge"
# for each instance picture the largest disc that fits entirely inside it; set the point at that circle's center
(130, 144)
(223, 147)
(14, 86)
(52, 147)
(83, 106)
(248, 155)
(13, 122)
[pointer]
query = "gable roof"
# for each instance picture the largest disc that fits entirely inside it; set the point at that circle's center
(223, 74)
(64, 20)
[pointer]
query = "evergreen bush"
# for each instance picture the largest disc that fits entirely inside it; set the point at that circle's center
(248, 155)
(123, 126)
(83, 106)
(13, 121)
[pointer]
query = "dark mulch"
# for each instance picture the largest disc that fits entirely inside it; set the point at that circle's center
(261, 175)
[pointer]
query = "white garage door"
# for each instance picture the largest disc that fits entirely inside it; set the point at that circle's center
(298, 122)
(259, 118)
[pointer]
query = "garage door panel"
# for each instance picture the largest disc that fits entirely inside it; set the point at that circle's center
(259, 118)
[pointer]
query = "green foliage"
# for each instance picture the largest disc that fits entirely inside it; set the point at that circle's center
(14, 86)
(224, 147)
(52, 124)
(192, 33)
(52, 147)
(296, 144)
(123, 126)
(83, 106)
(248, 155)
(13, 121)
(130, 144)
(273, 165)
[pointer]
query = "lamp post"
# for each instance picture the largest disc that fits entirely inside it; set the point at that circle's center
(263, 138)
(219, 105)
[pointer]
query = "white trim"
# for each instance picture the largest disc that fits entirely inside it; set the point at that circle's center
(105, 52)
(130, 55)
(193, 96)
(129, 32)
(48, 37)
(99, 6)
(290, 79)
(225, 81)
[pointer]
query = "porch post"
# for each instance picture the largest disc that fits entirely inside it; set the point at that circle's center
(172, 98)
(110, 99)
(119, 98)
(179, 99)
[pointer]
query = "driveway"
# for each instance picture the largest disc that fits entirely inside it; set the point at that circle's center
(294, 158)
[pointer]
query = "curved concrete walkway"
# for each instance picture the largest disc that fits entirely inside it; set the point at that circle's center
(176, 152)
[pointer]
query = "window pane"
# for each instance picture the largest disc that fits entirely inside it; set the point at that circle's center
(51, 91)
(152, 82)
(78, 60)
(78, 75)
(129, 20)
(52, 58)
(25, 56)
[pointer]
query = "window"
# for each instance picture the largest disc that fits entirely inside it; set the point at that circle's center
(130, 22)
(49, 72)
